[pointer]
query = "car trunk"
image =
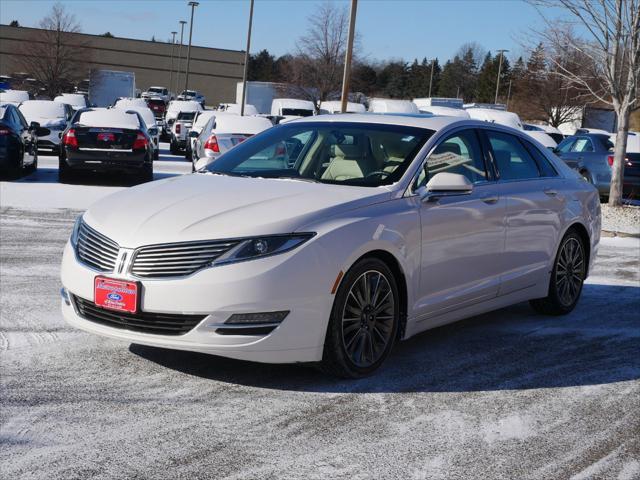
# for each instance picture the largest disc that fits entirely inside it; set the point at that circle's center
(105, 138)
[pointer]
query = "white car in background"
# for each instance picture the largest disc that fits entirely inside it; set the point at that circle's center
(235, 108)
(553, 132)
(386, 105)
(223, 132)
(53, 118)
(335, 106)
(14, 97)
(199, 122)
(76, 100)
(177, 106)
(192, 95)
(287, 109)
(377, 228)
(444, 111)
(140, 106)
(157, 92)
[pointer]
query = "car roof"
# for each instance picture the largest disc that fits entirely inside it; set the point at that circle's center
(431, 122)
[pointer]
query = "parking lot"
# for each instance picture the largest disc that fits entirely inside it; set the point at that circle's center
(510, 394)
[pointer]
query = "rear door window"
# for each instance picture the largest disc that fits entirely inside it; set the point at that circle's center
(512, 160)
(545, 166)
(582, 145)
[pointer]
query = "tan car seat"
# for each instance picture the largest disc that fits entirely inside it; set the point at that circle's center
(347, 162)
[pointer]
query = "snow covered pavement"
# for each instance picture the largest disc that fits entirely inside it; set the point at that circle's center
(510, 394)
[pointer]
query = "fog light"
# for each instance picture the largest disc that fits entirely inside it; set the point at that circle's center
(256, 318)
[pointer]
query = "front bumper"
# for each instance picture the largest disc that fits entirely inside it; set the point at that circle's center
(265, 285)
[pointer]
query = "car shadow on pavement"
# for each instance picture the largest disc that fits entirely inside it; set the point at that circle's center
(509, 349)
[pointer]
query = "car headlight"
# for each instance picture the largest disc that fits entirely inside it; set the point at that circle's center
(76, 231)
(259, 247)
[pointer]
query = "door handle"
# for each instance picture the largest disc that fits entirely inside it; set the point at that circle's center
(551, 193)
(490, 199)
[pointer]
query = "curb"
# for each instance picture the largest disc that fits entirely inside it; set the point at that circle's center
(610, 233)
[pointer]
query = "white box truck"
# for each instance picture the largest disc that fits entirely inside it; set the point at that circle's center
(106, 86)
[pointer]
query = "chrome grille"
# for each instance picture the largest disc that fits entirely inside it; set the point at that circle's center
(96, 250)
(177, 259)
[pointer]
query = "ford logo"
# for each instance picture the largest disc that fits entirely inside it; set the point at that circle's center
(115, 297)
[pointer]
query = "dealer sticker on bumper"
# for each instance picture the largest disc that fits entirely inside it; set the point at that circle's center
(120, 295)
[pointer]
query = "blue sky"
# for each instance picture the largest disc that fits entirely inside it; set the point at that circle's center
(388, 29)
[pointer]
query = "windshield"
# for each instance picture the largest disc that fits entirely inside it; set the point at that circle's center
(360, 154)
(42, 109)
(186, 115)
(156, 90)
(75, 100)
(297, 112)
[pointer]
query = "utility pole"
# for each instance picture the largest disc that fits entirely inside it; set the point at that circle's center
(431, 76)
(182, 23)
(173, 44)
(246, 61)
(346, 78)
(509, 94)
(193, 6)
(502, 52)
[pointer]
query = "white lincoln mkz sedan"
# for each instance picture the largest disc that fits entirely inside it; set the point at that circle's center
(329, 238)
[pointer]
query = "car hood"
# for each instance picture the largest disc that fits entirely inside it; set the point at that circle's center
(206, 206)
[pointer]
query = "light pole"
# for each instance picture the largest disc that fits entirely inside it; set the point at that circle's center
(502, 52)
(173, 44)
(246, 60)
(346, 78)
(431, 77)
(193, 6)
(182, 22)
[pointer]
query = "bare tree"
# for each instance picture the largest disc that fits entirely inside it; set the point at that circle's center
(612, 68)
(52, 55)
(316, 70)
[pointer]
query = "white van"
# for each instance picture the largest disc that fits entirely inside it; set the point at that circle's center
(335, 106)
(290, 108)
(386, 105)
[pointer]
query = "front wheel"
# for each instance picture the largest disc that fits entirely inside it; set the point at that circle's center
(364, 320)
(567, 278)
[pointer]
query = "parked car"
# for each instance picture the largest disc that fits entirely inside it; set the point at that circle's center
(553, 132)
(149, 120)
(180, 132)
(591, 154)
(235, 108)
(543, 137)
(18, 142)
(131, 102)
(200, 120)
(157, 92)
(287, 109)
(223, 132)
(335, 106)
(493, 115)
(14, 97)
(383, 227)
(192, 95)
(52, 118)
(385, 105)
(76, 100)
(177, 106)
(101, 139)
(446, 111)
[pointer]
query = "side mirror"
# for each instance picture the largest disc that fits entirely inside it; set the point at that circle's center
(152, 131)
(203, 163)
(445, 184)
(34, 126)
(193, 134)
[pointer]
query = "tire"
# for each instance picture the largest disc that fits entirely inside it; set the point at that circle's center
(156, 154)
(586, 177)
(65, 175)
(173, 148)
(34, 166)
(147, 173)
(356, 329)
(563, 295)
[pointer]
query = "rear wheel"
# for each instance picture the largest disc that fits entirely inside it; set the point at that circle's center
(567, 278)
(364, 320)
(65, 175)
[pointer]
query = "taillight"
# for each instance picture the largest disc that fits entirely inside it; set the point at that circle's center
(140, 142)
(4, 131)
(177, 128)
(212, 144)
(610, 160)
(69, 139)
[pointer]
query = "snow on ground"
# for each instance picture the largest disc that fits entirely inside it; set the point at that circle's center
(42, 190)
(510, 394)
